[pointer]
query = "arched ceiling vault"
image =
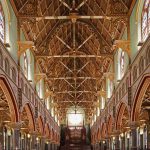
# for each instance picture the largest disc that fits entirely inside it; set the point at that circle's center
(73, 52)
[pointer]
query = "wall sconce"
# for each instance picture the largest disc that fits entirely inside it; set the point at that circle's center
(141, 131)
(28, 135)
(122, 135)
(128, 135)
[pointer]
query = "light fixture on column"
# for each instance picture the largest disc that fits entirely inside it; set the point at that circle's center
(28, 135)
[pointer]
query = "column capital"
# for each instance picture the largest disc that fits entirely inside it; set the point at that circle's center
(24, 45)
(15, 125)
(33, 132)
(134, 125)
(124, 45)
(109, 75)
(116, 133)
(39, 76)
(102, 93)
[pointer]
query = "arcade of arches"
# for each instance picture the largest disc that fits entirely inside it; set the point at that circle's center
(74, 74)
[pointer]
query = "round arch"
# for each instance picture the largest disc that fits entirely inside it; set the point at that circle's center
(53, 134)
(47, 131)
(121, 111)
(30, 116)
(11, 99)
(110, 125)
(138, 98)
(98, 134)
(104, 131)
(40, 125)
(27, 108)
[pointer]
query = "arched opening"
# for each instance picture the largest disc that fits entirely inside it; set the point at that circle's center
(122, 125)
(122, 63)
(47, 135)
(98, 134)
(27, 127)
(1, 59)
(104, 136)
(7, 66)
(110, 130)
(39, 131)
(8, 115)
(53, 135)
(110, 126)
(141, 112)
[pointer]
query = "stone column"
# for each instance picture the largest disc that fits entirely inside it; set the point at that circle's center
(34, 142)
(52, 146)
(134, 126)
(43, 143)
(100, 145)
(2, 138)
(117, 142)
(134, 139)
(49, 146)
(16, 139)
(148, 135)
(108, 143)
(123, 143)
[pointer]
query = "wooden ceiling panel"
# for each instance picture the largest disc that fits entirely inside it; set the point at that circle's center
(58, 37)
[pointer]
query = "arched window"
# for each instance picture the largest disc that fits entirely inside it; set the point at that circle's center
(120, 93)
(14, 75)
(121, 63)
(25, 65)
(32, 98)
(127, 84)
(22, 85)
(123, 89)
(141, 65)
(135, 73)
(1, 59)
(148, 56)
(2, 24)
(146, 20)
(117, 97)
(7, 66)
(26, 90)
(29, 95)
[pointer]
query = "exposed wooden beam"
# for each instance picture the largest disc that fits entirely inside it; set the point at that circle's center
(14, 7)
(77, 56)
(65, 92)
(132, 6)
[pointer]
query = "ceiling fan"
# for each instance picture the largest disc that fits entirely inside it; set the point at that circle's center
(74, 14)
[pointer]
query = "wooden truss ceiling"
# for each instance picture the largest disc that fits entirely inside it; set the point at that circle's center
(86, 44)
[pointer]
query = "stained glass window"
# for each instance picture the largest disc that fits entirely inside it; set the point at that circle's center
(146, 20)
(25, 65)
(2, 24)
(122, 63)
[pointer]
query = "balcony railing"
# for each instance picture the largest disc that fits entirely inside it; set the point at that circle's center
(139, 66)
(10, 69)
